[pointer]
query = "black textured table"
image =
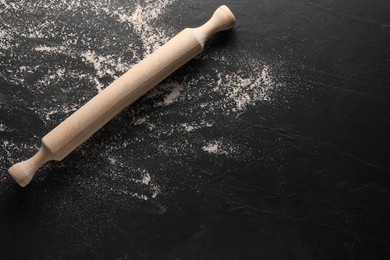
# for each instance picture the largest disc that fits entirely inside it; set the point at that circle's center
(273, 144)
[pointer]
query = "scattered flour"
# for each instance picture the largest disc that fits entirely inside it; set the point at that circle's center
(245, 89)
(174, 94)
(192, 126)
(6, 5)
(112, 160)
(140, 121)
(204, 100)
(146, 179)
(139, 196)
(224, 148)
(57, 49)
(211, 147)
(104, 66)
(188, 127)
(143, 21)
(5, 39)
(3, 127)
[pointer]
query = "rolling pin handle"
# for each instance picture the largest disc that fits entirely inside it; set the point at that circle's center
(23, 172)
(222, 19)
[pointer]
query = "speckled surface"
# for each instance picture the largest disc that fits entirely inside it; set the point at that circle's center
(272, 144)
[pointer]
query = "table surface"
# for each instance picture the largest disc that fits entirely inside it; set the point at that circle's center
(272, 144)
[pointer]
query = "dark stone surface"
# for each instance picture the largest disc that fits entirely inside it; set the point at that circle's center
(303, 175)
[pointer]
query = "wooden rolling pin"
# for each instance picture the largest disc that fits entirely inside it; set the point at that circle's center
(83, 123)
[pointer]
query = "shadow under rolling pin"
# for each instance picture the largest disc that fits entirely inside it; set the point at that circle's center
(83, 123)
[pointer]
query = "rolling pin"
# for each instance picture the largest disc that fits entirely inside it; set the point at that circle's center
(83, 123)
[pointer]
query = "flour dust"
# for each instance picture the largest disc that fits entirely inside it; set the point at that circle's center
(65, 67)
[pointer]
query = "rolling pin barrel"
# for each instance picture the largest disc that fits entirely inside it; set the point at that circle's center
(83, 123)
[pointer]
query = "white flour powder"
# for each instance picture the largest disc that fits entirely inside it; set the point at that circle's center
(200, 101)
